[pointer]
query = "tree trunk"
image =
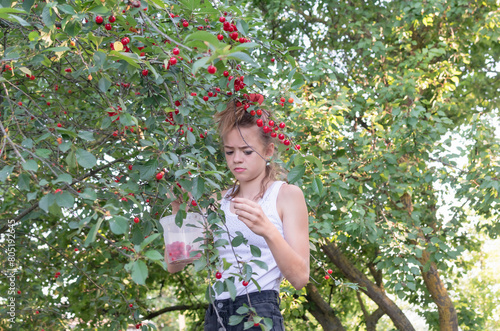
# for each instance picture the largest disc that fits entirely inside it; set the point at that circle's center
(374, 292)
(323, 312)
(448, 320)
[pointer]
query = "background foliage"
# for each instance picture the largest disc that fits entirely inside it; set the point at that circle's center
(395, 106)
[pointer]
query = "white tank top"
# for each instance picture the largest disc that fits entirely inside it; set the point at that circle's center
(267, 279)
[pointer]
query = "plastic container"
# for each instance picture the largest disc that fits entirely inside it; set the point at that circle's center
(179, 241)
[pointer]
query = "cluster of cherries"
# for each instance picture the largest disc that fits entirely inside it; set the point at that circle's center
(269, 127)
(178, 250)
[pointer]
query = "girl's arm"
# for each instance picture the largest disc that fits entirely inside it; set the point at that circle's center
(291, 252)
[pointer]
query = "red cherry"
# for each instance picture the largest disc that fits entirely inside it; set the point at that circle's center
(159, 176)
(193, 94)
(252, 112)
(32, 77)
(185, 24)
(259, 112)
(20, 103)
(226, 73)
(211, 69)
(282, 125)
(210, 94)
(220, 37)
(327, 277)
(260, 122)
(18, 292)
(107, 26)
(218, 275)
(76, 249)
(131, 305)
(281, 136)
(48, 103)
(176, 51)
(205, 98)
(244, 283)
(222, 19)
(99, 19)
(145, 72)
(290, 100)
(272, 60)
(193, 203)
(286, 142)
(173, 60)
(273, 134)
(111, 19)
(297, 147)
(125, 40)
(282, 99)
(256, 324)
(59, 125)
(330, 271)
(130, 167)
(68, 70)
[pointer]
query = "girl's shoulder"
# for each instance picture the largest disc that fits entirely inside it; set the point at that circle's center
(290, 191)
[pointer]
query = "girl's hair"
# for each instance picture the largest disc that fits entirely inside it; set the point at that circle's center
(235, 116)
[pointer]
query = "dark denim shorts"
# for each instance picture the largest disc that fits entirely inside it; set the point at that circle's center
(266, 303)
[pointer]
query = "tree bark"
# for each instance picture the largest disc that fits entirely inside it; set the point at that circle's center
(323, 312)
(374, 292)
(448, 320)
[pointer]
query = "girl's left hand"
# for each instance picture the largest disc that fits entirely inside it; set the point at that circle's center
(251, 213)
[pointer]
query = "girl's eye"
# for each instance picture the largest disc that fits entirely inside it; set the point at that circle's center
(229, 152)
(248, 152)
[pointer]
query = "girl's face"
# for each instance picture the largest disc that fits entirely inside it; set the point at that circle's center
(245, 164)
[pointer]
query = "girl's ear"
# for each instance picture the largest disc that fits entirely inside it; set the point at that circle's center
(270, 150)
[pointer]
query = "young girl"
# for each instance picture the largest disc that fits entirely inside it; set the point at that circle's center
(270, 214)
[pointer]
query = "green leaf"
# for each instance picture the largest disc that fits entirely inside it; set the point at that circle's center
(242, 310)
(236, 319)
(104, 84)
(46, 201)
(255, 251)
(198, 64)
(93, 233)
(139, 272)
(204, 36)
(119, 224)
(7, 10)
(30, 165)
(5, 173)
(86, 135)
(27, 4)
(24, 182)
(148, 169)
(128, 120)
(65, 200)
(43, 152)
(198, 187)
(260, 264)
(148, 240)
(190, 138)
(100, 10)
(63, 178)
(296, 173)
(130, 58)
(67, 9)
(153, 255)
(238, 240)
(57, 49)
(317, 185)
(88, 194)
(85, 159)
(242, 27)
(242, 57)
(231, 288)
